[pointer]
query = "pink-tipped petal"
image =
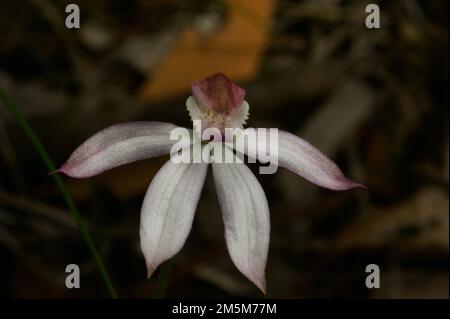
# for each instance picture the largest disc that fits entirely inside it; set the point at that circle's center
(246, 217)
(300, 157)
(218, 93)
(117, 145)
(168, 211)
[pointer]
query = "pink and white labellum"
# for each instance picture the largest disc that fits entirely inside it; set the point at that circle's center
(217, 103)
(171, 199)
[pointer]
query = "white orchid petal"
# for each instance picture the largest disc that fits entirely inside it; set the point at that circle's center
(168, 210)
(300, 157)
(117, 145)
(246, 217)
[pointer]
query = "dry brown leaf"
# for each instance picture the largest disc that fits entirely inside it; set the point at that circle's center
(235, 50)
(426, 211)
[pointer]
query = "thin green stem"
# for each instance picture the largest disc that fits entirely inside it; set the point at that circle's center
(163, 279)
(60, 184)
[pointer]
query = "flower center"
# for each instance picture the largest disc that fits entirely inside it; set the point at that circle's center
(217, 102)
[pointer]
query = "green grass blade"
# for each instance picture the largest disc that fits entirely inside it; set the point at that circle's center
(61, 186)
(163, 280)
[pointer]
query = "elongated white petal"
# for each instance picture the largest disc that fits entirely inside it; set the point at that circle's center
(246, 218)
(168, 210)
(300, 157)
(117, 145)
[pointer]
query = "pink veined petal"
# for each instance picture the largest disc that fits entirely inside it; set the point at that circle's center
(117, 145)
(168, 210)
(246, 217)
(300, 157)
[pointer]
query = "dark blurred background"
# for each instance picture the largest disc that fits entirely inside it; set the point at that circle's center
(374, 100)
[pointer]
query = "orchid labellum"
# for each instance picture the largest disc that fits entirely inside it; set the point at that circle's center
(171, 199)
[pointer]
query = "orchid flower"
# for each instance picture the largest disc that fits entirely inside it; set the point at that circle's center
(171, 199)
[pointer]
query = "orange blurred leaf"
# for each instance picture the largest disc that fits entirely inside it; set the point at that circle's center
(236, 50)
